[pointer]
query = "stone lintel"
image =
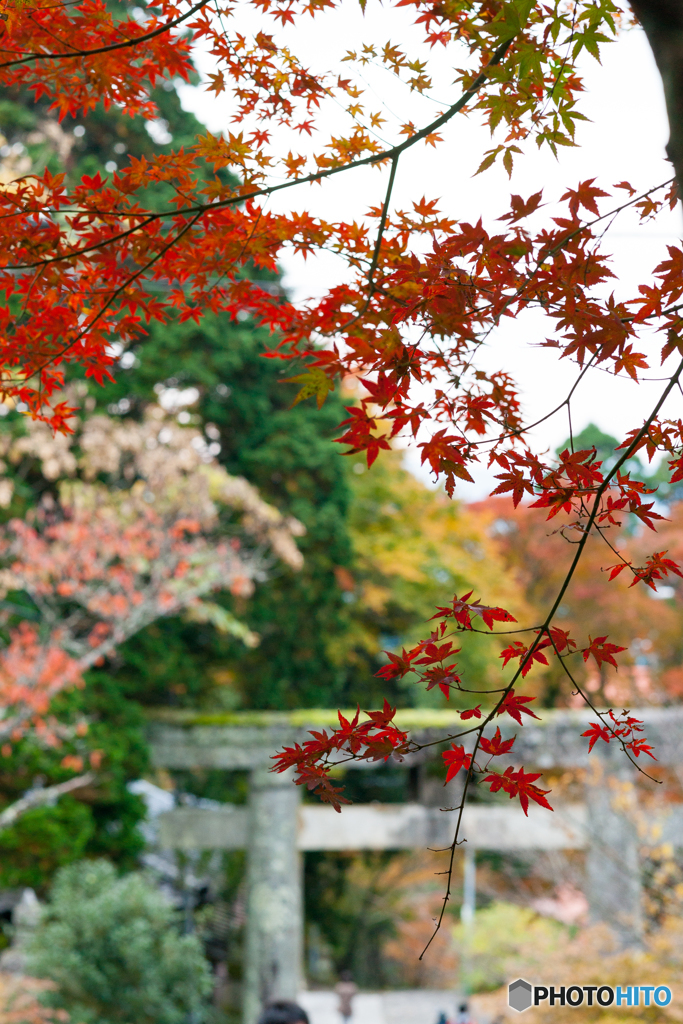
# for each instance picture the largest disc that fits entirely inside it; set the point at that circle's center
(384, 827)
(248, 740)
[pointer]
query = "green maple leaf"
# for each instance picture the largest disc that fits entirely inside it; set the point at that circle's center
(313, 382)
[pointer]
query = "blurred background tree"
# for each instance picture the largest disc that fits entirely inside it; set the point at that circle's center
(413, 549)
(648, 623)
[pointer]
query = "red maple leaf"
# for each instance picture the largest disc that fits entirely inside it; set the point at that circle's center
(519, 650)
(398, 666)
(656, 568)
(522, 208)
(596, 732)
(471, 713)
(347, 729)
(462, 610)
(513, 704)
(584, 195)
(641, 746)
(316, 780)
(433, 652)
(496, 745)
(446, 454)
(601, 651)
(561, 639)
(455, 759)
(527, 791)
(519, 784)
(442, 676)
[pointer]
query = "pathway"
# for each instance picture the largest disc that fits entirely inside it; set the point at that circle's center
(421, 1006)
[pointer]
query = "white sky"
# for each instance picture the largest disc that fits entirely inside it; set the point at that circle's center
(624, 140)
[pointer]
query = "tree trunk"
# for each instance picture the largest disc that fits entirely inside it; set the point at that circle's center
(662, 21)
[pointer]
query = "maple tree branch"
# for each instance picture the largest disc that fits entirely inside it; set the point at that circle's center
(456, 842)
(536, 423)
(118, 237)
(51, 34)
(382, 226)
(600, 714)
(390, 154)
(375, 158)
(375, 256)
(615, 551)
(545, 629)
(112, 46)
(525, 429)
(632, 448)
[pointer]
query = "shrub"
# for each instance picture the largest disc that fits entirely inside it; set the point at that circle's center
(112, 947)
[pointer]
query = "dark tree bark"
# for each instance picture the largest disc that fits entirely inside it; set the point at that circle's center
(662, 21)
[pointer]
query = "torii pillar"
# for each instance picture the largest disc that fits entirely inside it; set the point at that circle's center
(273, 960)
(613, 868)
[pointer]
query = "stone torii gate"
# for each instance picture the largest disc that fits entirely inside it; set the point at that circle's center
(275, 827)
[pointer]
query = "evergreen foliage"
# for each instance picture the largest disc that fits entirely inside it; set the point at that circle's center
(43, 840)
(288, 453)
(112, 947)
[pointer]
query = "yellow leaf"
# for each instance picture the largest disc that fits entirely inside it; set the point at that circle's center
(314, 382)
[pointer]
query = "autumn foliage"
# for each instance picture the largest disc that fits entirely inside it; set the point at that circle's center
(85, 265)
(149, 525)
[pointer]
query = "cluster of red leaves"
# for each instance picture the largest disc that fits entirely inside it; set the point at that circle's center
(88, 262)
(373, 739)
(559, 640)
(37, 39)
(516, 783)
(656, 568)
(624, 729)
(470, 280)
(430, 660)
(519, 784)
(433, 654)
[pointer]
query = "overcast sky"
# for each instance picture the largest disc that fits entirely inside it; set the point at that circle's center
(624, 140)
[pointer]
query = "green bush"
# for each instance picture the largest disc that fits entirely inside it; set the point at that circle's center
(112, 946)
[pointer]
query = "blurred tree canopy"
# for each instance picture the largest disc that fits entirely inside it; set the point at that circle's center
(413, 549)
(648, 624)
(96, 821)
(288, 453)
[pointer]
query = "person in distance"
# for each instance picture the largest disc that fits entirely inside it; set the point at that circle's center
(283, 1012)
